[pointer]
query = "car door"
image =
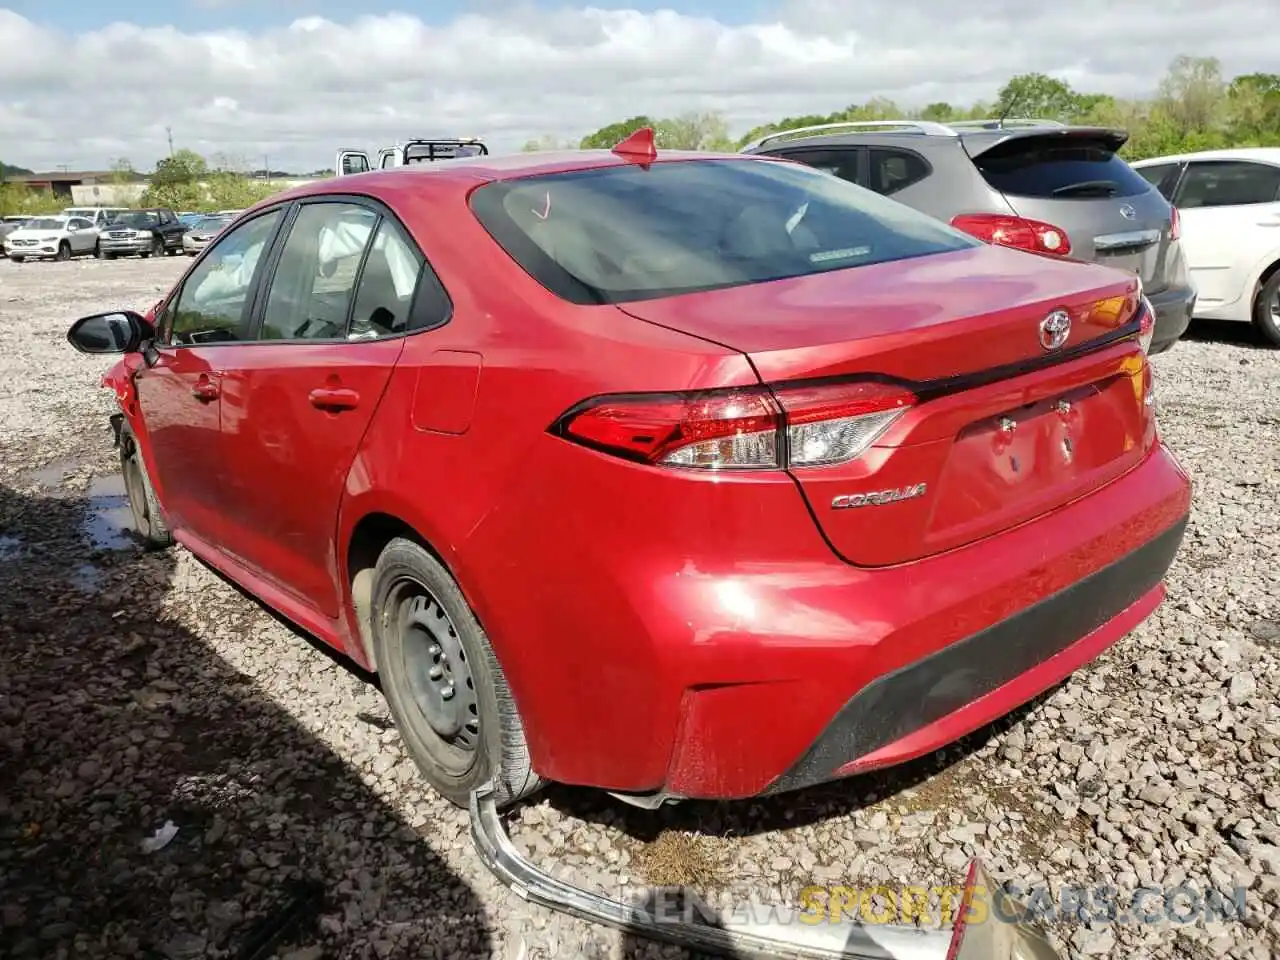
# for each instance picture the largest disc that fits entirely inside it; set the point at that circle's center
(202, 324)
(296, 405)
(1230, 212)
(81, 235)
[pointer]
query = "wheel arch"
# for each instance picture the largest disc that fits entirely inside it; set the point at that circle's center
(1271, 265)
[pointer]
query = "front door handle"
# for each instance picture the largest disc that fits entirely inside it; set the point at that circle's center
(205, 390)
(334, 398)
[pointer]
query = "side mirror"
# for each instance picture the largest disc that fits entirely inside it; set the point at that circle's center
(71, 229)
(118, 332)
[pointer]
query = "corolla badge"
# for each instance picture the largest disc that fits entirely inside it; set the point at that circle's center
(1127, 211)
(1054, 329)
(875, 498)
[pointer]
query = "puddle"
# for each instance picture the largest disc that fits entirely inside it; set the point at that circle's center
(10, 547)
(86, 578)
(108, 522)
(51, 477)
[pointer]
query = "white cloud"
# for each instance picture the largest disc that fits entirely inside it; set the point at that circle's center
(295, 93)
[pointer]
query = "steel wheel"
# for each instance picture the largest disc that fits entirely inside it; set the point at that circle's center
(439, 677)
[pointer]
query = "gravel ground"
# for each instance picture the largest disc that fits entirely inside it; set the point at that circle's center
(140, 689)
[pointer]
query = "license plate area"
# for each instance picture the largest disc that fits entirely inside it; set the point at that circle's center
(1016, 465)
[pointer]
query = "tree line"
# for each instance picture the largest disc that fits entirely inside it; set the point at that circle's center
(1193, 108)
(184, 180)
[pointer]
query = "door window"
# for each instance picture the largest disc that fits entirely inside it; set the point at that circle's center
(1229, 183)
(79, 223)
(387, 284)
(212, 306)
(892, 170)
(1162, 176)
(315, 280)
(354, 163)
(840, 163)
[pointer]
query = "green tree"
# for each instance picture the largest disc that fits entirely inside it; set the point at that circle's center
(1037, 95)
(607, 137)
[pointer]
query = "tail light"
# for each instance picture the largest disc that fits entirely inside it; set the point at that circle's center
(1146, 324)
(1175, 224)
(1034, 235)
(748, 428)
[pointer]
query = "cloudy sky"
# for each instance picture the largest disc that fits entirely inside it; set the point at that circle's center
(83, 82)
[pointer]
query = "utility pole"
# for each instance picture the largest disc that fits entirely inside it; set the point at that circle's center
(169, 133)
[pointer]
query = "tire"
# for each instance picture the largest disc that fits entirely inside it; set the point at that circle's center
(97, 251)
(422, 625)
(1266, 310)
(147, 517)
(64, 252)
(17, 259)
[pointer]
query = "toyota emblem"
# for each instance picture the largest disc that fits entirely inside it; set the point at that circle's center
(1127, 211)
(1054, 329)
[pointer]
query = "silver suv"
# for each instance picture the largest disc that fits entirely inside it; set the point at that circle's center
(1035, 184)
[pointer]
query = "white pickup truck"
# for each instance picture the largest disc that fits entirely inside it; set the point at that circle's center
(351, 161)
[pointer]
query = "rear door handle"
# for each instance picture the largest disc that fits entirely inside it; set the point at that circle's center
(334, 398)
(205, 390)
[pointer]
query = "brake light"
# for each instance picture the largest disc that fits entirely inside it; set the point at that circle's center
(748, 428)
(1034, 235)
(1175, 224)
(1146, 324)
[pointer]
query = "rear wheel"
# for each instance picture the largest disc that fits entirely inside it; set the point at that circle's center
(147, 519)
(1266, 310)
(443, 681)
(64, 251)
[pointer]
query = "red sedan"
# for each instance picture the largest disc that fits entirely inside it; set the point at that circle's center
(676, 475)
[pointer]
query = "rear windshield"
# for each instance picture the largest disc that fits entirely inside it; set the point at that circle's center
(1059, 169)
(628, 233)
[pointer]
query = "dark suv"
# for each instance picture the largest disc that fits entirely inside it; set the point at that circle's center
(1034, 184)
(152, 232)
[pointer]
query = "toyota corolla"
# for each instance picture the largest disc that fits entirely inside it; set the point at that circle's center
(675, 475)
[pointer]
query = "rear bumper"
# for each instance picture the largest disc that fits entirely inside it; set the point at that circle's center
(974, 681)
(871, 668)
(1173, 307)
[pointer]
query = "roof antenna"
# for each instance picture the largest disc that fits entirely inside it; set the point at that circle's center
(1008, 109)
(637, 146)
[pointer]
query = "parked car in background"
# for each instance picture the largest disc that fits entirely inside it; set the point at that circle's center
(52, 238)
(188, 217)
(152, 232)
(98, 216)
(350, 161)
(8, 225)
(1229, 201)
(896, 481)
(202, 231)
(1036, 185)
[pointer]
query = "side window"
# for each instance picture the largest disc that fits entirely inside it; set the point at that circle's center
(840, 163)
(212, 306)
(1162, 176)
(891, 170)
(354, 163)
(1229, 183)
(387, 284)
(314, 282)
(79, 223)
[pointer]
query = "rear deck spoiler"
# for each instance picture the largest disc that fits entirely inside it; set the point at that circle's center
(1113, 138)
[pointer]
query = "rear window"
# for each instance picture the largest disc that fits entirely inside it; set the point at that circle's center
(628, 233)
(1059, 169)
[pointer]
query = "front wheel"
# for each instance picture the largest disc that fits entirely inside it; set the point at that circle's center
(97, 251)
(64, 252)
(147, 519)
(443, 682)
(1266, 311)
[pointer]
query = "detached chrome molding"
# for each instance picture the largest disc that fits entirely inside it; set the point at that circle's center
(796, 941)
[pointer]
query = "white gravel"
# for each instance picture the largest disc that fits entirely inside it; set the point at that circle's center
(138, 689)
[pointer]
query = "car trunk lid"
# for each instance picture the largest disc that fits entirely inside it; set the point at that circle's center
(1002, 429)
(1074, 179)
